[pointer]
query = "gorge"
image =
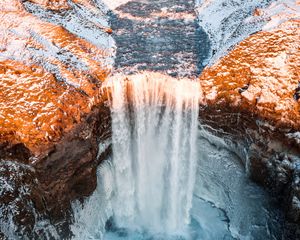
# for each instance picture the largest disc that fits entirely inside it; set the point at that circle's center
(155, 118)
(149, 119)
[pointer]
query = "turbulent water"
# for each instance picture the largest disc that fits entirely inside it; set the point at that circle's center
(225, 204)
(147, 189)
(154, 153)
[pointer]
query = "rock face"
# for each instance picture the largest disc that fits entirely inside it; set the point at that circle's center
(228, 22)
(52, 110)
(252, 101)
(21, 202)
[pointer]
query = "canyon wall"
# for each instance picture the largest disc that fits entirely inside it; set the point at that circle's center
(252, 101)
(54, 57)
(53, 112)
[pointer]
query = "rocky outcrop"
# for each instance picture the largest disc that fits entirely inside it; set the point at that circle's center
(53, 113)
(21, 202)
(252, 101)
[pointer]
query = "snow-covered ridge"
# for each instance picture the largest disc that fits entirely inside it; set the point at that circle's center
(279, 12)
(227, 22)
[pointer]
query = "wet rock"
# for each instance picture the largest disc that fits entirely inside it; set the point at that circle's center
(21, 200)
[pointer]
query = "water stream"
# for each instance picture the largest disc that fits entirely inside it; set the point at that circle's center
(147, 190)
(154, 153)
(167, 178)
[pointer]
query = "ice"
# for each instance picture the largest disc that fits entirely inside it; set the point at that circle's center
(222, 181)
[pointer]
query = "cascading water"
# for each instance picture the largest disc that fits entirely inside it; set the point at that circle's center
(154, 123)
(146, 189)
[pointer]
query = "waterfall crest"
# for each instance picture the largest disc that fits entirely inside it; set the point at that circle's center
(154, 125)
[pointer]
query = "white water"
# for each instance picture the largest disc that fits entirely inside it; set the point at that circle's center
(90, 218)
(226, 205)
(147, 187)
(154, 124)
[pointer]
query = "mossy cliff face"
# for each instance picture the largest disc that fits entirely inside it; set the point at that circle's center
(52, 111)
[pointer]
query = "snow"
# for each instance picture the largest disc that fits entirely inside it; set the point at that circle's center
(228, 22)
(113, 4)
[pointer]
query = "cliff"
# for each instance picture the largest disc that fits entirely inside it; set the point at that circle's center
(252, 101)
(52, 110)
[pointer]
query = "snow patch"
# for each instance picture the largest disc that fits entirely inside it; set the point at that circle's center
(113, 4)
(228, 22)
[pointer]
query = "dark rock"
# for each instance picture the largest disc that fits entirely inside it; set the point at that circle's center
(21, 201)
(270, 160)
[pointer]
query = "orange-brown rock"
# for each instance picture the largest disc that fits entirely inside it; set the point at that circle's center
(260, 75)
(252, 102)
(52, 110)
(50, 79)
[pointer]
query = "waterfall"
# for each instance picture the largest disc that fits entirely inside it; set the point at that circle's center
(144, 191)
(154, 124)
